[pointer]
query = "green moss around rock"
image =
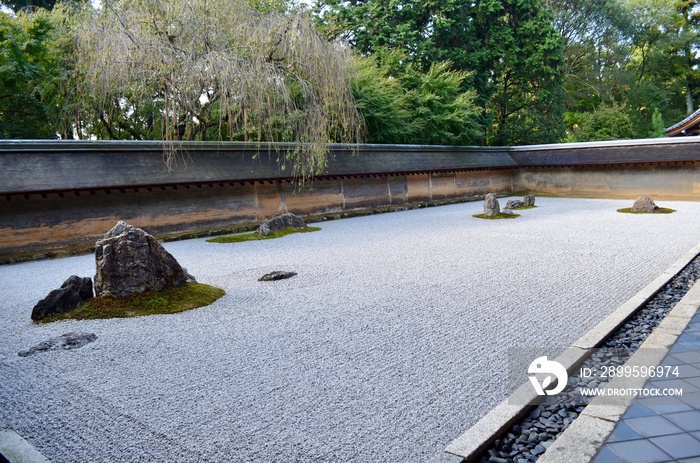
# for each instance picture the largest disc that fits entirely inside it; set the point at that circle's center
(496, 217)
(661, 210)
(522, 208)
(256, 237)
(168, 301)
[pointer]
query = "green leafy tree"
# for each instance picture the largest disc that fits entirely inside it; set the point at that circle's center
(657, 123)
(403, 105)
(605, 123)
(425, 32)
(666, 46)
(639, 56)
(507, 49)
(26, 64)
(382, 101)
(441, 112)
(596, 37)
(523, 80)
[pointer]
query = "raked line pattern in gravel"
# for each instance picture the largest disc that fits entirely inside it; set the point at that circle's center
(389, 343)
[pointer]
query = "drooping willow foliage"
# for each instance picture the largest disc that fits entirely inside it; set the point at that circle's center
(217, 70)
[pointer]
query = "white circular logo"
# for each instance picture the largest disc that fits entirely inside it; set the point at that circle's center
(548, 370)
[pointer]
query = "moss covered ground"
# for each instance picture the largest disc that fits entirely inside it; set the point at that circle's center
(256, 237)
(661, 210)
(496, 217)
(168, 301)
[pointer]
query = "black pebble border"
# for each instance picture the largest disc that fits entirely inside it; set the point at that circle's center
(529, 439)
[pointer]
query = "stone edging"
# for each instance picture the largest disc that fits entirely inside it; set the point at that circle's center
(472, 443)
(17, 450)
(580, 442)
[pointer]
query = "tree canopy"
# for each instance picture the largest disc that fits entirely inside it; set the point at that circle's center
(638, 57)
(31, 65)
(498, 72)
(403, 105)
(508, 49)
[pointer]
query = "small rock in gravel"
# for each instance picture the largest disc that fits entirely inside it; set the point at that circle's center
(644, 204)
(281, 222)
(514, 204)
(277, 275)
(66, 341)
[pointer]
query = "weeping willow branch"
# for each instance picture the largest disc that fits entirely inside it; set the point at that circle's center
(263, 76)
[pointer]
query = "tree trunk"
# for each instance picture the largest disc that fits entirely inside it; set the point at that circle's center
(689, 99)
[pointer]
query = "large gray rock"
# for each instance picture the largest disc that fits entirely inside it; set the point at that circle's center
(72, 294)
(281, 222)
(644, 204)
(529, 200)
(491, 206)
(130, 261)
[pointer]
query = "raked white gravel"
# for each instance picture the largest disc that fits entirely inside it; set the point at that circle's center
(389, 343)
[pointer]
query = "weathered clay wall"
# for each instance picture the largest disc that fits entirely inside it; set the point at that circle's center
(61, 196)
(664, 181)
(54, 222)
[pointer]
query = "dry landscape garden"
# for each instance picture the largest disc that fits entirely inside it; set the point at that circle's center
(389, 342)
(357, 231)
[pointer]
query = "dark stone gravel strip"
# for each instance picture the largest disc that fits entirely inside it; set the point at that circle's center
(527, 440)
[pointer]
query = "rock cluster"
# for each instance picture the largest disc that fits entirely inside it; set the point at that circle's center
(130, 261)
(644, 204)
(527, 201)
(72, 294)
(491, 205)
(528, 439)
(281, 222)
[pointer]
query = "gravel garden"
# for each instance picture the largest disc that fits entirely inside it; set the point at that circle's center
(389, 341)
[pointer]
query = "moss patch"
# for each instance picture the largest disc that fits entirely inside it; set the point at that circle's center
(256, 237)
(168, 301)
(661, 210)
(497, 216)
